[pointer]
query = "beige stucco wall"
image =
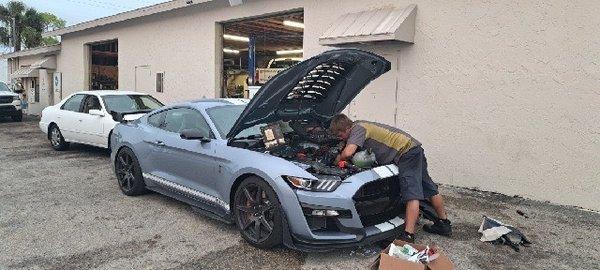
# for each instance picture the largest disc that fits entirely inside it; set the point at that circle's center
(181, 43)
(504, 95)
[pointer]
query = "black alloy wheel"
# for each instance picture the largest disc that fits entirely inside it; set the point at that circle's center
(129, 173)
(258, 214)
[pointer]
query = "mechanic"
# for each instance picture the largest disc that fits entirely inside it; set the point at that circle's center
(394, 146)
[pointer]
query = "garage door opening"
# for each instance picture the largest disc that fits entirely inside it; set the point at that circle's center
(254, 50)
(104, 65)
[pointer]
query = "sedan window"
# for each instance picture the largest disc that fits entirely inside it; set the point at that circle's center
(180, 119)
(156, 119)
(91, 103)
(130, 103)
(73, 103)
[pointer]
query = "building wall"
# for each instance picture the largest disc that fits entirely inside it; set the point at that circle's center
(44, 79)
(181, 43)
(504, 95)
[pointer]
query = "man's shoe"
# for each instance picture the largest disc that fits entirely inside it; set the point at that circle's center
(441, 227)
(407, 237)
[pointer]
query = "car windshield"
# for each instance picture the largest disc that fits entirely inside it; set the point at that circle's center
(4, 87)
(130, 103)
(225, 116)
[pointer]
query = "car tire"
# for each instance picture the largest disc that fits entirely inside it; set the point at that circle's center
(129, 173)
(258, 217)
(17, 118)
(56, 139)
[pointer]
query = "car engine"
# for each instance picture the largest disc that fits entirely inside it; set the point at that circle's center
(307, 144)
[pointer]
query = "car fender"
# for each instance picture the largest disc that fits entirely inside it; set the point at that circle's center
(272, 169)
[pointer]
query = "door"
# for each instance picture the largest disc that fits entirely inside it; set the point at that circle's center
(67, 117)
(90, 127)
(189, 163)
(143, 79)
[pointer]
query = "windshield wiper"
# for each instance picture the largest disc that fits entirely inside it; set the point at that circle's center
(255, 136)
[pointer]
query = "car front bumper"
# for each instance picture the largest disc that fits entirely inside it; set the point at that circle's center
(370, 203)
(10, 110)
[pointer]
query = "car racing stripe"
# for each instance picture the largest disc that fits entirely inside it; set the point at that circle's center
(385, 226)
(383, 171)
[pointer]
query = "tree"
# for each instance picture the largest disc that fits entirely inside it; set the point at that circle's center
(21, 25)
(51, 22)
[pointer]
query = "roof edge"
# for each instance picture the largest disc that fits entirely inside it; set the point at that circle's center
(32, 51)
(123, 16)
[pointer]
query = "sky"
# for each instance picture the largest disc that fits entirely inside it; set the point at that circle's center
(77, 11)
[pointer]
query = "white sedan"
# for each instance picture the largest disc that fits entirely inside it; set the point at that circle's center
(89, 117)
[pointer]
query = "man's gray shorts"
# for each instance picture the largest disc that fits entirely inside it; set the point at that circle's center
(415, 182)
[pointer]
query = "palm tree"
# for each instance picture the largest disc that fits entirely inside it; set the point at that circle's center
(24, 26)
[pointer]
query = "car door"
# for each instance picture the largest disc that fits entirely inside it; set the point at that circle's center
(90, 127)
(189, 163)
(67, 117)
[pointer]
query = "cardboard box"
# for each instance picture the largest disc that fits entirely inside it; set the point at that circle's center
(387, 262)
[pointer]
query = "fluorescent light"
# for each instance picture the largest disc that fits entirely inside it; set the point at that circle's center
(226, 50)
(236, 38)
(289, 52)
(293, 24)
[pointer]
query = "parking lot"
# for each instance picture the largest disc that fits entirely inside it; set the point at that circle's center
(64, 210)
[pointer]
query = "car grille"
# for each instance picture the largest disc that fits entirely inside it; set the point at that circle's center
(5, 100)
(378, 201)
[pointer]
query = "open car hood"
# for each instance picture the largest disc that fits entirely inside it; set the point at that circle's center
(317, 88)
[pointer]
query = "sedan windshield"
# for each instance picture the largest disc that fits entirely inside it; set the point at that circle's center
(4, 87)
(225, 116)
(130, 103)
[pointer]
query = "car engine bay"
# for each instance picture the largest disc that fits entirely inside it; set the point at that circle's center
(307, 144)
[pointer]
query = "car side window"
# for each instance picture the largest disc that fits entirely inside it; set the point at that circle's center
(156, 119)
(180, 119)
(91, 103)
(73, 104)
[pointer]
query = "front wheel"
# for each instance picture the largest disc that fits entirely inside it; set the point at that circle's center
(129, 173)
(57, 140)
(18, 117)
(258, 213)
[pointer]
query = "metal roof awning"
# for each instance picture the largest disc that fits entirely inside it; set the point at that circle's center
(390, 24)
(25, 72)
(33, 69)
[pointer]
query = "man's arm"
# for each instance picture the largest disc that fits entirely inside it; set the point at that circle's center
(347, 153)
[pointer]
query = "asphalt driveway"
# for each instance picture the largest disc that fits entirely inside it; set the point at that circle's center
(63, 210)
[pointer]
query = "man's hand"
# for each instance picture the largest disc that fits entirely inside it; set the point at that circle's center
(347, 153)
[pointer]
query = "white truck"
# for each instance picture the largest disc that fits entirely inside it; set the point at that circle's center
(10, 103)
(275, 66)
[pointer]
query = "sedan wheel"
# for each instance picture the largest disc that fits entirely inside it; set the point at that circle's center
(57, 140)
(129, 174)
(258, 214)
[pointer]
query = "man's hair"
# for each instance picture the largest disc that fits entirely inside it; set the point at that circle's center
(340, 123)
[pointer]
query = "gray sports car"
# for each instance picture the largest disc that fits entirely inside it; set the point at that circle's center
(266, 165)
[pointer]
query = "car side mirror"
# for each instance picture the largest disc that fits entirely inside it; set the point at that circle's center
(194, 134)
(96, 112)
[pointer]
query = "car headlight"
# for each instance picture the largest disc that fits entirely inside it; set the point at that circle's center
(321, 185)
(16, 98)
